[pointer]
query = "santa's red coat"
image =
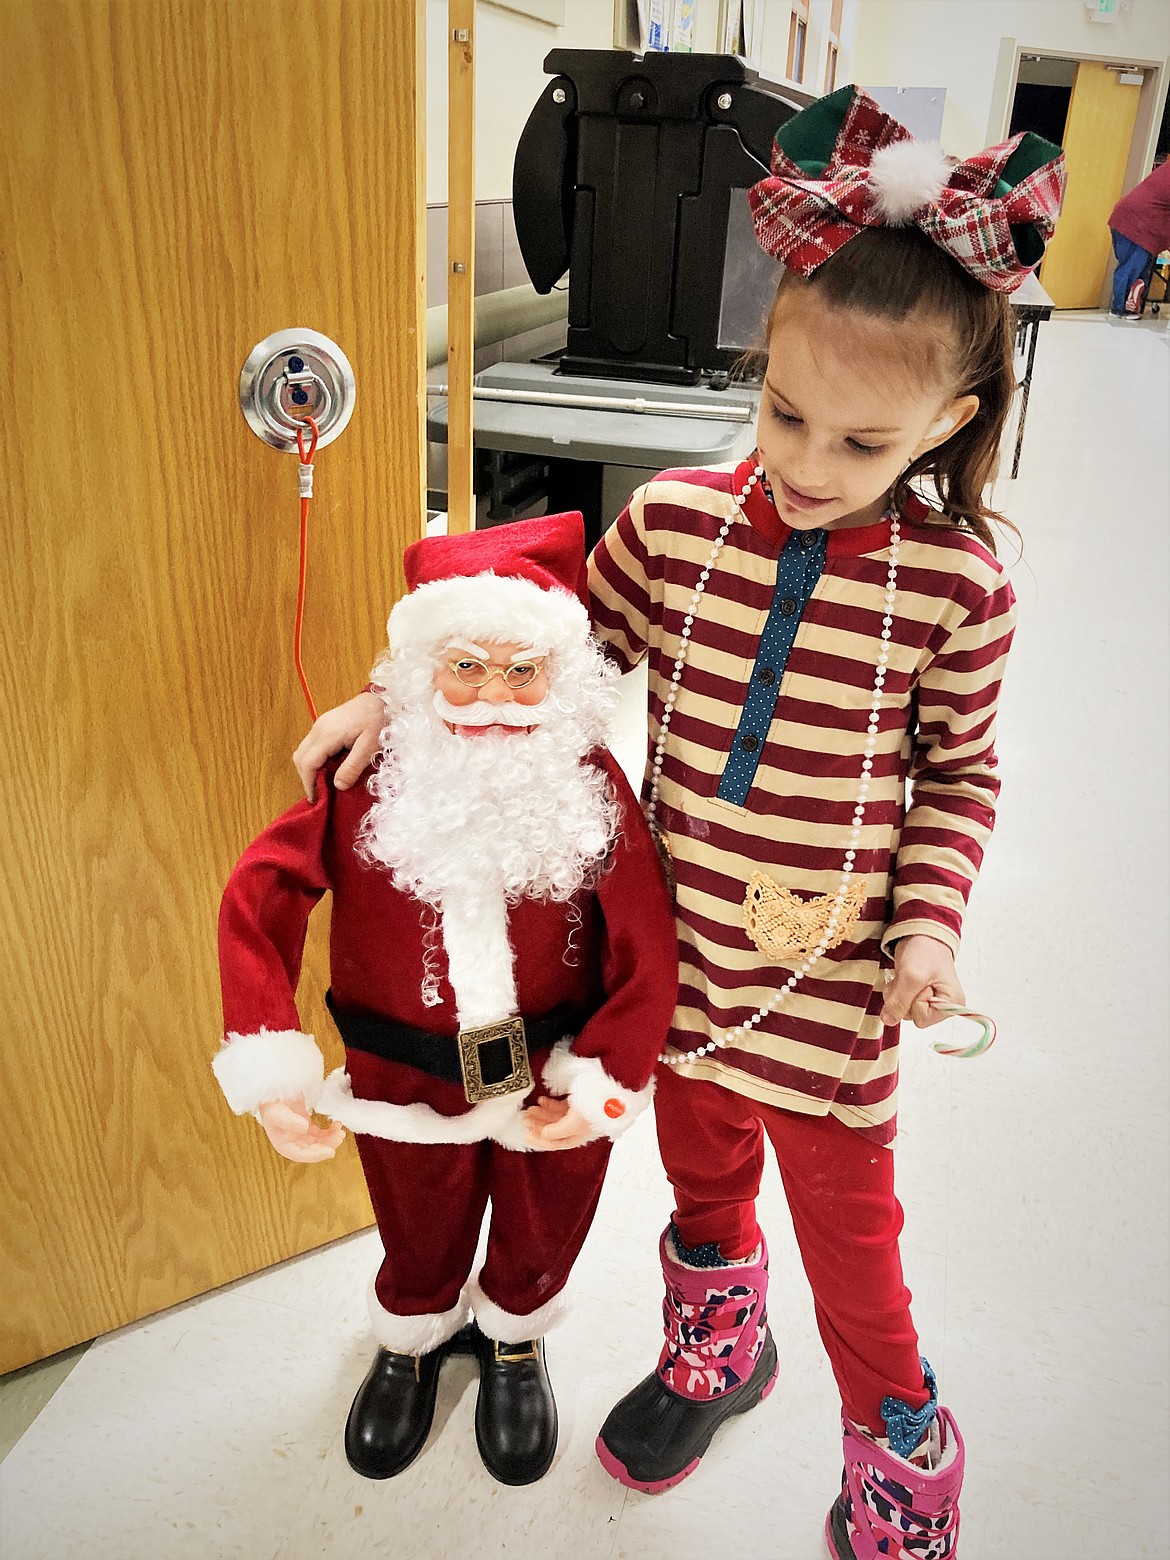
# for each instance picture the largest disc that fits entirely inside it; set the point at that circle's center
(610, 951)
(432, 1160)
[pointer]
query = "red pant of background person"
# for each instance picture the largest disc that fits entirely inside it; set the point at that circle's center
(840, 1191)
(429, 1201)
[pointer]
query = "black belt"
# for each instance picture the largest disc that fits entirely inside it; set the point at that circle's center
(489, 1062)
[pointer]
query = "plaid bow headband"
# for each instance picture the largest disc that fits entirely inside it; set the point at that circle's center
(841, 165)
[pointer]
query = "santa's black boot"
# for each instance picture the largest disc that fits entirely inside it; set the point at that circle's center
(718, 1360)
(515, 1413)
(391, 1415)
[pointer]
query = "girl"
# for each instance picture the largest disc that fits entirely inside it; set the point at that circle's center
(817, 637)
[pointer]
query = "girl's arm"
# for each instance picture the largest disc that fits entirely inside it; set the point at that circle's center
(619, 592)
(923, 977)
(954, 776)
(356, 725)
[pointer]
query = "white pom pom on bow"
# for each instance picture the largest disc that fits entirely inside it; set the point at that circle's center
(905, 176)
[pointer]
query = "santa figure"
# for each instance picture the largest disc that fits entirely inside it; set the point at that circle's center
(503, 968)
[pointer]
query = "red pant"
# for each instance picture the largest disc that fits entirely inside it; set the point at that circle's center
(840, 1191)
(429, 1200)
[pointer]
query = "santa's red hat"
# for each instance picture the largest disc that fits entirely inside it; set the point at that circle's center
(522, 583)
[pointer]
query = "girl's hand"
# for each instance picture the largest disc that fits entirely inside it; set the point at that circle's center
(293, 1132)
(356, 725)
(924, 972)
(555, 1124)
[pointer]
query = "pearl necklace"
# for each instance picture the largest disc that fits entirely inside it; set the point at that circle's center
(879, 678)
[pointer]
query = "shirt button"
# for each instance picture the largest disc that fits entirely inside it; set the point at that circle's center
(767, 676)
(808, 539)
(788, 606)
(749, 743)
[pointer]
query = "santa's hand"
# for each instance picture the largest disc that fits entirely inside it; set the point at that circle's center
(555, 1124)
(293, 1132)
(924, 975)
(356, 725)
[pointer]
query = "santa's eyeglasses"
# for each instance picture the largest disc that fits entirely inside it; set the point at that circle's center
(477, 674)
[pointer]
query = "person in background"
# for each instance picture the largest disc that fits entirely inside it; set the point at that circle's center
(1140, 224)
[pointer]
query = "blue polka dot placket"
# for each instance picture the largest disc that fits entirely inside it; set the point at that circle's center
(802, 558)
(766, 674)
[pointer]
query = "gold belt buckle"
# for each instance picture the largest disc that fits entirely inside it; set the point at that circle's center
(519, 1079)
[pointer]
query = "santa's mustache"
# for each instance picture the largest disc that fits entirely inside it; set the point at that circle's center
(481, 714)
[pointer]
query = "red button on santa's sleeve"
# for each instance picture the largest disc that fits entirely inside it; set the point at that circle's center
(614, 1109)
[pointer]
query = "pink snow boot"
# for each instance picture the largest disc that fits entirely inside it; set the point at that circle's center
(718, 1359)
(889, 1508)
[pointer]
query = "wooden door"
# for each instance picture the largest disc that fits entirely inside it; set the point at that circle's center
(1097, 138)
(177, 181)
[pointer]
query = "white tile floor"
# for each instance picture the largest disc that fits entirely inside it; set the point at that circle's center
(1035, 1180)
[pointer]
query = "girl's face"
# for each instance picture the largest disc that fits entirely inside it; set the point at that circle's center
(842, 413)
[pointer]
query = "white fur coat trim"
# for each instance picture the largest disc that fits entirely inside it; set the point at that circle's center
(274, 1064)
(487, 606)
(506, 1327)
(581, 1079)
(498, 1120)
(480, 963)
(584, 1082)
(416, 1334)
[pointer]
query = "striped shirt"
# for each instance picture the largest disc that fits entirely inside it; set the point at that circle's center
(824, 1049)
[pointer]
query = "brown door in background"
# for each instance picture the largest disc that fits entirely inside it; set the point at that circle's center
(177, 181)
(1097, 140)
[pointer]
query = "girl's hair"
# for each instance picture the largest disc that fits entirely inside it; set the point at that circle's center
(962, 333)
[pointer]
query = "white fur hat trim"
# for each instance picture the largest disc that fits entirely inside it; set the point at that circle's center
(906, 176)
(274, 1064)
(487, 606)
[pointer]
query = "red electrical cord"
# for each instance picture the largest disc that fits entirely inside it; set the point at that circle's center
(306, 454)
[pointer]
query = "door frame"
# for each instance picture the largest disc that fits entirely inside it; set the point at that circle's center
(1151, 103)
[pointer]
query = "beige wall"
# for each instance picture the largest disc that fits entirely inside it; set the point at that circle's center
(510, 51)
(956, 44)
(774, 52)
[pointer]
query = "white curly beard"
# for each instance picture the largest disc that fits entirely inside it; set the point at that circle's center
(470, 825)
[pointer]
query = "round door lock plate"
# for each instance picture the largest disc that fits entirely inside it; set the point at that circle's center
(291, 375)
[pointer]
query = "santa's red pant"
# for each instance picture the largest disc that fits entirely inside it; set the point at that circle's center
(429, 1200)
(840, 1191)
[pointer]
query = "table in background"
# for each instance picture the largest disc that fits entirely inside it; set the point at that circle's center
(1032, 307)
(579, 443)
